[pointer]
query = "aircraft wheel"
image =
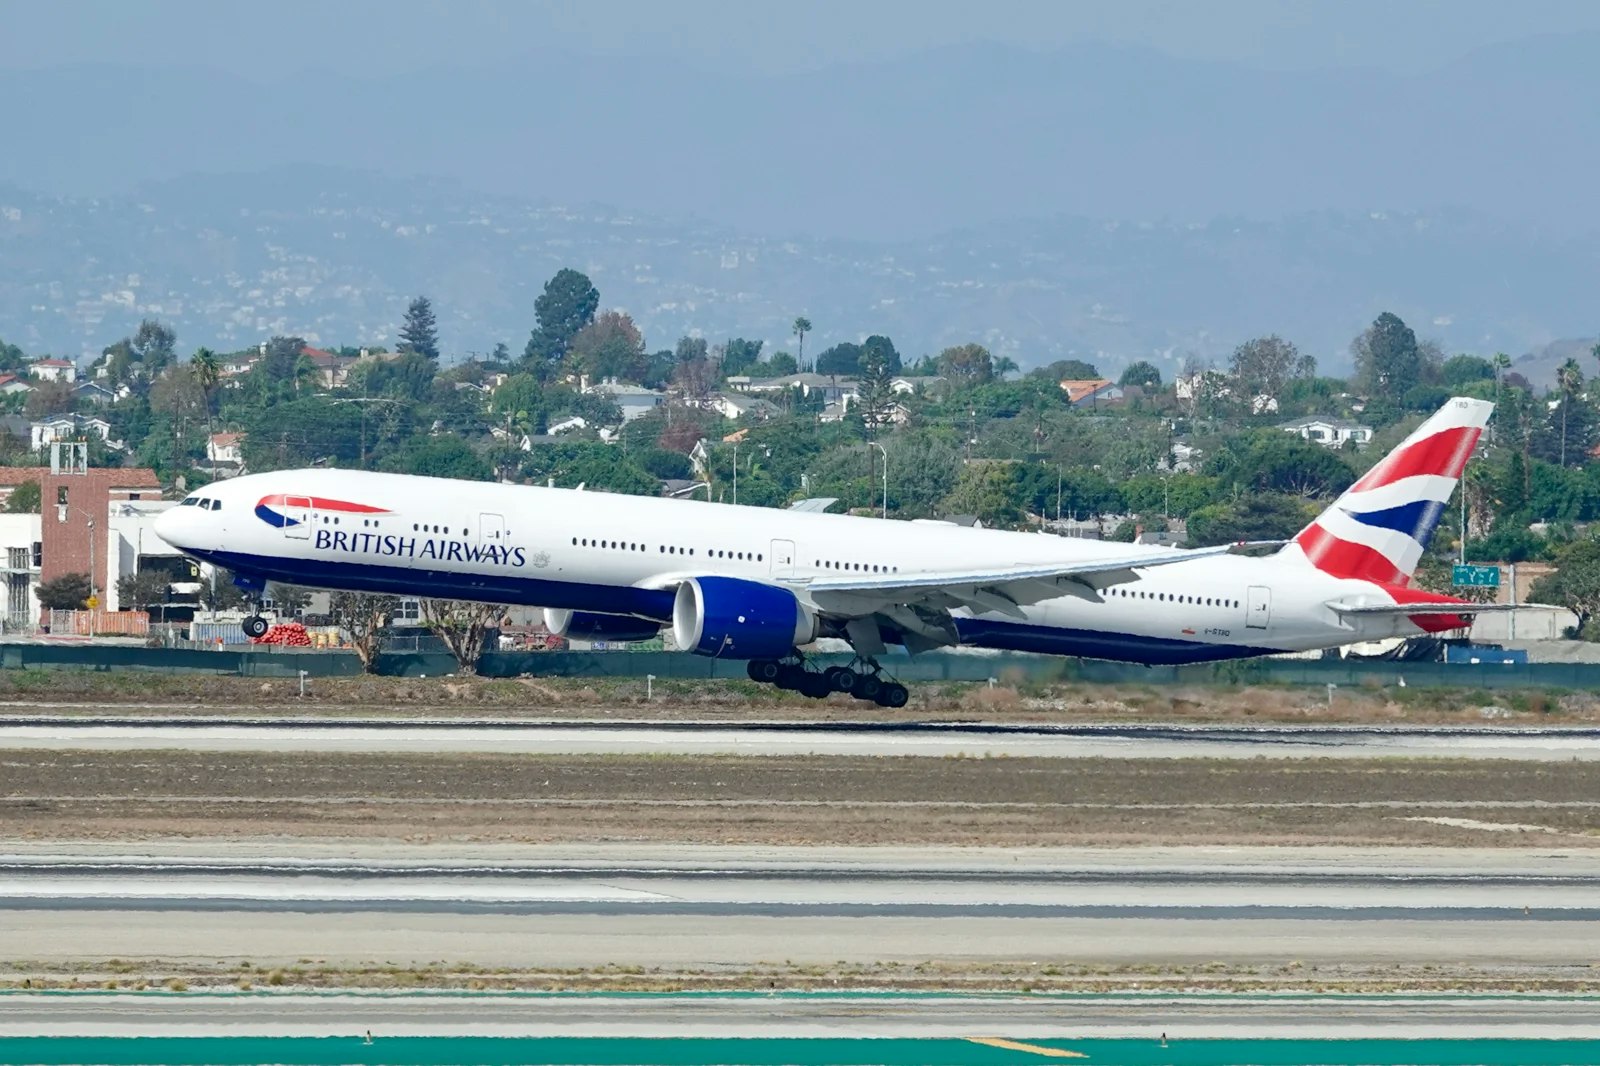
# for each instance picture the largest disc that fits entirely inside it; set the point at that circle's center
(255, 627)
(814, 686)
(866, 687)
(789, 677)
(763, 671)
(894, 694)
(839, 678)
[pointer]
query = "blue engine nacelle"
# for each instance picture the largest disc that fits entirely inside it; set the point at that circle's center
(730, 618)
(586, 625)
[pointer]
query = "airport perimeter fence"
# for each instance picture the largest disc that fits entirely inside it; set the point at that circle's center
(1006, 669)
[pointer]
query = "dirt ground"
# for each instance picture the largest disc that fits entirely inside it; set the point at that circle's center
(82, 692)
(54, 795)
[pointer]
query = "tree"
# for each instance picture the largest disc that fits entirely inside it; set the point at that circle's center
(843, 359)
(802, 326)
(609, 347)
(1142, 374)
(966, 364)
(208, 375)
(1387, 357)
(740, 355)
(50, 398)
(694, 379)
(364, 616)
(462, 626)
(280, 363)
(449, 457)
(1263, 366)
(419, 333)
(143, 590)
(1255, 516)
(218, 592)
(68, 592)
(875, 396)
(24, 499)
(1066, 370)
(153, 345)
(881, 348)
(989, 490)
(1575, 584)
(1272, 461)
(567, 304)
(1462, 370)
(1569, 382)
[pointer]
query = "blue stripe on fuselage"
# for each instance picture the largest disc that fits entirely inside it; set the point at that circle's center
(655, 604)
(1096, 643)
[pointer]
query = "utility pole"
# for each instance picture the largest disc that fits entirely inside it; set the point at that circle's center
(874, 444)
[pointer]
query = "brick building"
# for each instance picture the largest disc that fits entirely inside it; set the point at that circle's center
(76, 516)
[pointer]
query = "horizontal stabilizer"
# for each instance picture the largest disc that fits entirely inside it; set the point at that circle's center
(1406, 609)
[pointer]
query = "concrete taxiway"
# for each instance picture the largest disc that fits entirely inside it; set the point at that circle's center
(568, 909)
(521, 736)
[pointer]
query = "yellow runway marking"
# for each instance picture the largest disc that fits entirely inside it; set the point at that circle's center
(1035, 1049)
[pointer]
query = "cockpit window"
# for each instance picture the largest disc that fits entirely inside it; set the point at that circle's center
(216, 505)
(189, 501)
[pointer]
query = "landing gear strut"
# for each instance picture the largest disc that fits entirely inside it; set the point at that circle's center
(863, 680)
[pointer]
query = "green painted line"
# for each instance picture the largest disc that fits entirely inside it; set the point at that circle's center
(570, 1051)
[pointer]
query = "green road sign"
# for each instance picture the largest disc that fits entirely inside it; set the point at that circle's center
(1482, 576)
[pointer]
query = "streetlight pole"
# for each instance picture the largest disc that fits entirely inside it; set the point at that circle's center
(874, 444)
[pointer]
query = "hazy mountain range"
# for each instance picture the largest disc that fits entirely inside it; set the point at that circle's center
(1103, 201)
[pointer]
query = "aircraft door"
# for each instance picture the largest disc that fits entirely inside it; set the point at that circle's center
(297, 517)
(782, 557)
(1258, 607)
(491, 530)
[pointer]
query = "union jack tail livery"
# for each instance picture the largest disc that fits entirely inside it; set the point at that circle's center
(1379, 528)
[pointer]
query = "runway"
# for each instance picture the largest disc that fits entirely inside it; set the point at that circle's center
(1064, 1018)
(925, 739)
(751, 912)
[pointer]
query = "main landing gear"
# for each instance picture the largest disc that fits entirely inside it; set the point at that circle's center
(864, 680)
(255, 627)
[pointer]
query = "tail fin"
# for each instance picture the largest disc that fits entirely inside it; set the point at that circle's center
(1379, 528)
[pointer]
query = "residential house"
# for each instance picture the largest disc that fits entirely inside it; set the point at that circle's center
(734, 406)
(238, 365)
(635, 400)
(1091, 392)
(11, 385)
(92, 392)
(225, 448)
(566, 425)
(67, 427)
(333, 369)
(832, 389)
(911, 384)
(1329, 432)
(54, 370)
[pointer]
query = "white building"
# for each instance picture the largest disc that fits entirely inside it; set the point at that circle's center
(635, 400)
(225, 448)
(20, 554)
(734, 406)
(67, 427)
(131, 546)
(1329, 432)
(54, 370)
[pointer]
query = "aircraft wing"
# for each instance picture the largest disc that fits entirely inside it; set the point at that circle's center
(1403, 609)
(989, 588)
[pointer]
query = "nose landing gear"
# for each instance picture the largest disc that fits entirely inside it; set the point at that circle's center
(255, 627)
(863, 680)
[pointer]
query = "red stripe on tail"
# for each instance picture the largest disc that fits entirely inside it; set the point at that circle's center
(1444, 454)
(1342, 558)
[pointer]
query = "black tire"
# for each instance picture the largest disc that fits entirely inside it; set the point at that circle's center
(839, 678)
(894, 694)
(814, 686)
(788, 677)
(866, 687)
(255, 627)
(765, 671)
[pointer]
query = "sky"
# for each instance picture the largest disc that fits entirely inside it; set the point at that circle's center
(780, 37)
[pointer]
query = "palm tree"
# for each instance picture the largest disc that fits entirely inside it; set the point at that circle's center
(802, 326)
(1569, 380)
(207, 374)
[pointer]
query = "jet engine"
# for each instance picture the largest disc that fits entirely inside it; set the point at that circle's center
(587, 625)
(730, 618)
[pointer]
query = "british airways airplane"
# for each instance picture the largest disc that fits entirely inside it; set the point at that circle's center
(760, 585)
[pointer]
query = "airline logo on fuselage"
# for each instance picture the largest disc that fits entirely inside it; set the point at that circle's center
(283, 509)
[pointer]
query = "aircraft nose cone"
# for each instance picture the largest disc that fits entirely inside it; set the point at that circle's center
(169, 525)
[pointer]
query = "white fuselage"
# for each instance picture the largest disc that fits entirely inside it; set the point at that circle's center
(625, 555)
